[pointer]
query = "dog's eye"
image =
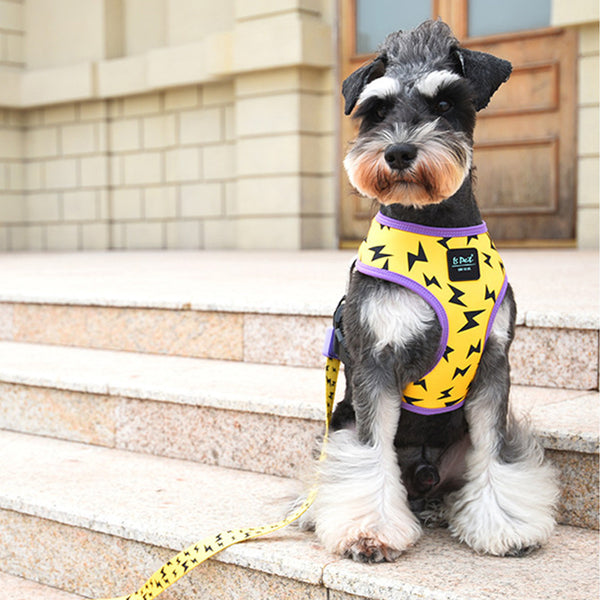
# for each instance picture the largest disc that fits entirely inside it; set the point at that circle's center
(379, 112)
(442, 106)
(373, 111)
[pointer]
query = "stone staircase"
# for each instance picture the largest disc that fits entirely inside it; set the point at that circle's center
(150, 399)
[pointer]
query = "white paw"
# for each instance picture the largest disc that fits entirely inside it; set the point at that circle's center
(508, 510)
(361, 509)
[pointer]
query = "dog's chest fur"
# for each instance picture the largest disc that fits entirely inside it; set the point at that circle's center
(392, 325)
(395, 316)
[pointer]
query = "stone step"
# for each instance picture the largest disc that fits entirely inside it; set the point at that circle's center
(98, 522)
(17, 588)
(262, 418)
(273, 308)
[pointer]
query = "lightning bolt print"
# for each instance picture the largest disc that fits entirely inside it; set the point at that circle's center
(419, 257)
(461, 372)
(422, 383)
(378, 252)
(490, 295)
(445, 394)
(432, 281)
(474, 349)
(471, 322)
(447, 352)
(410, 400)
(456, 297)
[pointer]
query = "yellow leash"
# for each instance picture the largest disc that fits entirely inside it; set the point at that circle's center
(191, 557)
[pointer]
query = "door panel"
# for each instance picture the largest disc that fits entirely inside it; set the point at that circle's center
(525, 150)
(525, 145)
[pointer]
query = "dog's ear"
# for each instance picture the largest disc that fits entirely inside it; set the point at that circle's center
(485, 72)
(354, 84)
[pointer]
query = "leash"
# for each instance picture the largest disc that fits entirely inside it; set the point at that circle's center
(194, 555)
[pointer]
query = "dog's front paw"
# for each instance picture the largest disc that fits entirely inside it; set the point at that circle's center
(508, 510)
(370, 549)
(369, 545)
(520, 551)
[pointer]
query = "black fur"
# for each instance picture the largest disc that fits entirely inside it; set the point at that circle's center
(429, 47)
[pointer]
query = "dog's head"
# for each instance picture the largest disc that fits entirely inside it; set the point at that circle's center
(416, 103)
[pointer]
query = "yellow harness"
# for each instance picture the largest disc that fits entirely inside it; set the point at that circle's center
(461, 275)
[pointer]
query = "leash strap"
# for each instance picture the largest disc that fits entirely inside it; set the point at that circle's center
(194, 555)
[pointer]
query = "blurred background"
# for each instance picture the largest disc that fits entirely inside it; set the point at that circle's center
(159, 124)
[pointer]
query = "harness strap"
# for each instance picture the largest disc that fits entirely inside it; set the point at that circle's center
(191, 557)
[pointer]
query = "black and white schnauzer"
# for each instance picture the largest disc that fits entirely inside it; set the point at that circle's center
(391, 466)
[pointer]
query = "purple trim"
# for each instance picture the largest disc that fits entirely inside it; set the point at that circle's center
(496, 307)
(328, 348)
(420, 410)
(413, 286)
(445, 232)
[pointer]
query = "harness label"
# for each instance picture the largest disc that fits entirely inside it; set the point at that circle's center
(463, 264)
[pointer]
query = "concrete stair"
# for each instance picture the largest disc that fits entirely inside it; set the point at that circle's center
(149, 399)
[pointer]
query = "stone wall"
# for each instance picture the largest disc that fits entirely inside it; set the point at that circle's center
(188, 132)
(583, 16)
(588, 164)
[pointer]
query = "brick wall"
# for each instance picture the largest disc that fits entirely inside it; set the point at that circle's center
(11, 33)
(171, 160)
(172, 169)
(588, 164)
(12, 177)
(173, 136)
(145, 171)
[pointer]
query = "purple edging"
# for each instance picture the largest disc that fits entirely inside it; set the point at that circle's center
(413, 286)
(328, 347)
(444, 232)
(430, 411)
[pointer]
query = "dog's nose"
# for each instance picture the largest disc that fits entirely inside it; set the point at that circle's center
(400, 156)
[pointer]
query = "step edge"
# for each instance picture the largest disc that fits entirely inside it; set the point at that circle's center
(233, 401)
(282, 308)
(552, 438)
(239, 555)
(531, 318)
(19, 582)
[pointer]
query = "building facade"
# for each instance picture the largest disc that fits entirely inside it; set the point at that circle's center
(159, 124)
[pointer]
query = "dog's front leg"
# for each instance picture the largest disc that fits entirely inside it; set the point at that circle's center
(361, 510)
(506, 507)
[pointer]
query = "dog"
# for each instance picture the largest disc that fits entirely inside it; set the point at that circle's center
(424, 433)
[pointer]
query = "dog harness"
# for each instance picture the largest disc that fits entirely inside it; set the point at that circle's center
(460, 274)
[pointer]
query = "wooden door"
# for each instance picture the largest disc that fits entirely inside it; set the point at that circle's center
(525, 141)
